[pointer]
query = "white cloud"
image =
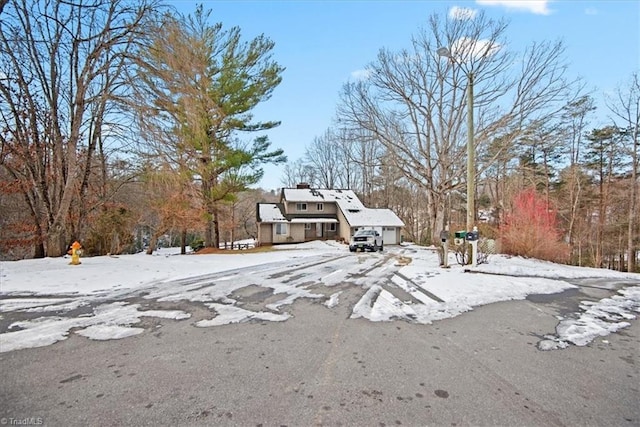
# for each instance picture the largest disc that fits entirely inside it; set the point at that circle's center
(462, 13)
(363, 74)
(591, 11)
(465, 47)
(538, 7)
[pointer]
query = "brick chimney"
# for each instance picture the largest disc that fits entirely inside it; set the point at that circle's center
(303, 185)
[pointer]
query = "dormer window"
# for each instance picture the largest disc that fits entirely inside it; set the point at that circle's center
(301, 206)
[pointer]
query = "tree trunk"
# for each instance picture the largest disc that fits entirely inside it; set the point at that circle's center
(574, 197)
(633, 215)
(216, 227)
(56, 242)
(183, 241)
(209, 208)
(152, 244)
(39, 250)
(438, 227)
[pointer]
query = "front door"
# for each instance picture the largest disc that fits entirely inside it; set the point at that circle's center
(318, 229)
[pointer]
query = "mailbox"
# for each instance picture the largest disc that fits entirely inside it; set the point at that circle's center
(472, 236)
(460, 234)
(444, 236)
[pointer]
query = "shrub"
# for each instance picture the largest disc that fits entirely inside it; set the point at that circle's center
(197, 244)
(531, 229)
(112, 231)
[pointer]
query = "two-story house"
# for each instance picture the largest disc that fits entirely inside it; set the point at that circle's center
(305, 214)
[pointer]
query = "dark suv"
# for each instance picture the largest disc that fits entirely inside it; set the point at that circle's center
(366, 239)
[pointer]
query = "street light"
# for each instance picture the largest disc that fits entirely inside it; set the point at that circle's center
(471, 163)
(471, 169)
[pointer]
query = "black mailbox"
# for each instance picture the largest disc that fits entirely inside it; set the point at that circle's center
(472, 236)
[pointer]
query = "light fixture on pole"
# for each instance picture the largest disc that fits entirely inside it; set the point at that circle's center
(471, 169)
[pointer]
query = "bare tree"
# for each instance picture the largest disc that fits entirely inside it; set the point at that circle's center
(413, 101)
(625, 107)
(603, 158)
(364, 155)
(322, 155)
(62, 69)
(297, 172)
(349, 175)
(573, 182)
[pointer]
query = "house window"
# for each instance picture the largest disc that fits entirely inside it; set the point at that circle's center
(332, 226)
(281, 229)
(307, 226)
(301, 206)
(320, 207)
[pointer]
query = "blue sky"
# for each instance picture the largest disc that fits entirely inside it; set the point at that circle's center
(322, 43)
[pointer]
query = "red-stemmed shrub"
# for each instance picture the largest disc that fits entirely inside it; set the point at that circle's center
(531, 229)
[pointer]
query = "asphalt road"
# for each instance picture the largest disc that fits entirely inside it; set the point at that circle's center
(322, 368)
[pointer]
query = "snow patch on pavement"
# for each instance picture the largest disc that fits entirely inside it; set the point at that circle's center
(45, 331)
(333, 300)
(228, 314)
(108, 332)
(379, 305)
(432, 293)
(599, 319)
(15, 304)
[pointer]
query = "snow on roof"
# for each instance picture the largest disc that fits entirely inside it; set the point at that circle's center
(315, 195)
(270, 212)
(373, 217)
(355, 212)
(316, 220)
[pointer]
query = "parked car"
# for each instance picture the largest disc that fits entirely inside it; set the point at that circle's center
(366, 239)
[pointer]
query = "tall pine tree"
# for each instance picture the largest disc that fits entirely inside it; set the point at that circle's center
(199, 85)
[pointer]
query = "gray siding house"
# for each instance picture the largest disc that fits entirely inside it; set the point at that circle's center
(305, 214)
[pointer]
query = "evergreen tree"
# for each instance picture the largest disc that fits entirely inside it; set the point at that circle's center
(603, 158)
(199, 86)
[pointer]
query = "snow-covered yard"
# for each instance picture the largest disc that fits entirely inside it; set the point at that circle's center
(55, 298)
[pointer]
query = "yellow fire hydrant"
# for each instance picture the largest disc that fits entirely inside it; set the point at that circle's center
(75, 253)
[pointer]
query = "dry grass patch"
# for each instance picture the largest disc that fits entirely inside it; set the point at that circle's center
(403, 260)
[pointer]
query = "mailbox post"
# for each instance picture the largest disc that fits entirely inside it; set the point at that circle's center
(444, 238)
(460, 237)
(472, 238)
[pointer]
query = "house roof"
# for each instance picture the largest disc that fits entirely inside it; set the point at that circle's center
(270, 212)
(372, 217)
(355, 212)
(316, 195)
(307, 220)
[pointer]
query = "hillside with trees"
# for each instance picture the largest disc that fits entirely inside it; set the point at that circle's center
(125, 123)
(399, 139)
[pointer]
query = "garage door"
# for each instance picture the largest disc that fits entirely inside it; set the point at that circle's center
(389, 235)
